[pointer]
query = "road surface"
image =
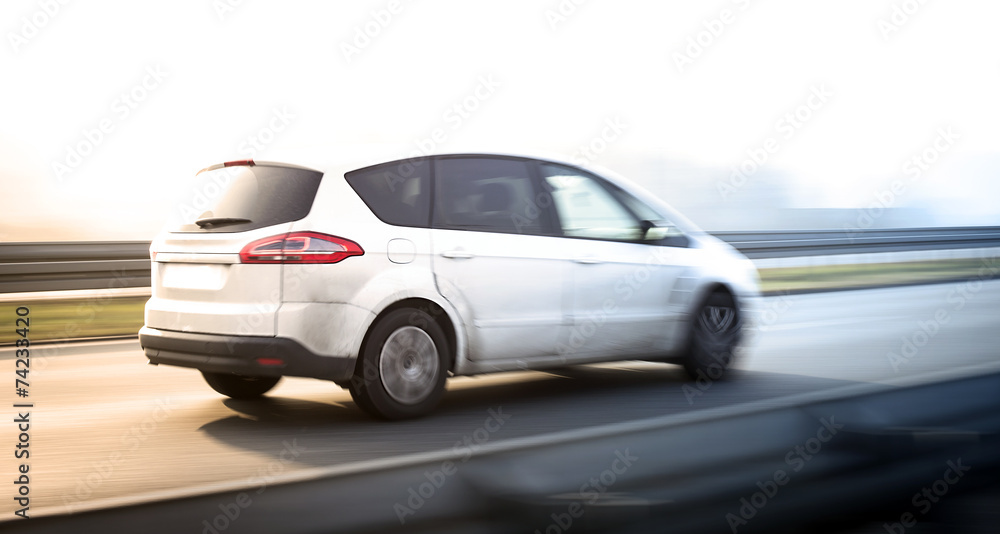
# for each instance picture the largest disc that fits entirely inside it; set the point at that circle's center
(108, 428)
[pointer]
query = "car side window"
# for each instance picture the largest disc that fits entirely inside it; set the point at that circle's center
(398, 192)
(487, 195)
(586, 208)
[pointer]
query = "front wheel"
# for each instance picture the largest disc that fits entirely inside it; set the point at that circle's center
(715, 333)
(403, 367)
(239, 386)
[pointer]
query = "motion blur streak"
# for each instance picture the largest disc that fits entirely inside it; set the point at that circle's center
(94, 393)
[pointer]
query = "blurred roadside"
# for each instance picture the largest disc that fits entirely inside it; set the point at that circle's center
(65, 315)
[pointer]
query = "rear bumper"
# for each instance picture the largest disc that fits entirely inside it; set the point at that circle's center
(242, 355)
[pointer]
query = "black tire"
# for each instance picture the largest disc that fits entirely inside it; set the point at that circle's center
(715, 333)
(239, 386)
(403, 367)
(360, 399)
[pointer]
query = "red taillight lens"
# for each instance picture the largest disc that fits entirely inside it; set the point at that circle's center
(300, 247)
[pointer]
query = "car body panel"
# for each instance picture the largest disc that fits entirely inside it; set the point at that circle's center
(620, 297)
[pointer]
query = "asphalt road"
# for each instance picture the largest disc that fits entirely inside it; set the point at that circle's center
(108, 428)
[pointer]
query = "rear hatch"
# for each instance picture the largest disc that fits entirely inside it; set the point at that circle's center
(200, 282)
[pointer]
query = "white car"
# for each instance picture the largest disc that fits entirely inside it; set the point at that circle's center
(389, 278)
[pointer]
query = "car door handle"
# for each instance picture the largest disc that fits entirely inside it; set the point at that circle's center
(457, 254)
(587, 260)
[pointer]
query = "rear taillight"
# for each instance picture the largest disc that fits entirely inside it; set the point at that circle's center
(300, 247)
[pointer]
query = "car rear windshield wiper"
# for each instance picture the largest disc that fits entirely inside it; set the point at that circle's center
(212, 222)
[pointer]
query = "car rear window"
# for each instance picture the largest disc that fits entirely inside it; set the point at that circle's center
(243, 198)
(396, 192)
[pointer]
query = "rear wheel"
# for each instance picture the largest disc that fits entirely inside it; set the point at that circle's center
(239, 386)
(404, 366)
(357, 394)
(715, 333)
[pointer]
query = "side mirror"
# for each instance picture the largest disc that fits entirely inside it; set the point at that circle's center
(663, 232)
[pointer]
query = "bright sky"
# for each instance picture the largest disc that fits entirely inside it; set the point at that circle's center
(177, 86)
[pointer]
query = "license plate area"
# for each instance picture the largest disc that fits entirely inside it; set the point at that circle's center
(193, 276)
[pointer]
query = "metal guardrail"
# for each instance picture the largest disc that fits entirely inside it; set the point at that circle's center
(823, 242)
(794, 464)
(101, 265)
(57, 266)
